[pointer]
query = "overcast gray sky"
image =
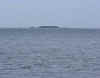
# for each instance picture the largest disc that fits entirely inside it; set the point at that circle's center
(68, 13)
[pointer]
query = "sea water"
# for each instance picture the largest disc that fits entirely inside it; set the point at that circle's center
(49, 53)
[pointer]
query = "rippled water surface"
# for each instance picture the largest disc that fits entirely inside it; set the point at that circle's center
(49, 53)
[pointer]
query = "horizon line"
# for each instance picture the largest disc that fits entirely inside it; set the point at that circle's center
(48, 28)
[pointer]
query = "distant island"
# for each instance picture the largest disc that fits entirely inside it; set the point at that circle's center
(44, 27)
(48, 27)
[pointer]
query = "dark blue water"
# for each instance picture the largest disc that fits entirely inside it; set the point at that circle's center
(49, 53)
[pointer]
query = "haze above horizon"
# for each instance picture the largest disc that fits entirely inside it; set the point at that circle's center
(65, 13)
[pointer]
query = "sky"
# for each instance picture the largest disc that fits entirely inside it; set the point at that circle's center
(65, 13)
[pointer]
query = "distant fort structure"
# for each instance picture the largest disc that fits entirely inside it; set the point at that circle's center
(48, 27)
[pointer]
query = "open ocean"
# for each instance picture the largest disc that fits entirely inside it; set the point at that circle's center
(49, 53)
